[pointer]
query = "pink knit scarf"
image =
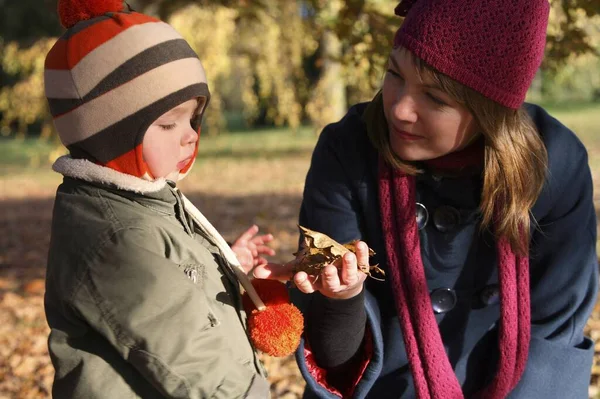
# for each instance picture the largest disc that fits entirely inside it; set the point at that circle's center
(432, 372)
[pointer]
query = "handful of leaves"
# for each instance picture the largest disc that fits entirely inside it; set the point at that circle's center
(319, 250)
(275, 325)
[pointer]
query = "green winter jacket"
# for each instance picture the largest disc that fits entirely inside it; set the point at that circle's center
(140, 300)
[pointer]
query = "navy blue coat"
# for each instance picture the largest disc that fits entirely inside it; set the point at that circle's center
(341, 200)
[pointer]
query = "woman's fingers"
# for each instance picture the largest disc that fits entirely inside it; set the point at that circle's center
(343, 282)
(354, 266)
(331, 279)
(304, 283)
(349, 269)
(362, 254)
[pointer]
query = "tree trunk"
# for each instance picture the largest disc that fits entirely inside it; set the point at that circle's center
(334, 88)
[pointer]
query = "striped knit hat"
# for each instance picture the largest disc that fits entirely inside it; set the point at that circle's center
(111, 75)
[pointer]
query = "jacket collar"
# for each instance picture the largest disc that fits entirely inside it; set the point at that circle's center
(158, 195)
(83, 169)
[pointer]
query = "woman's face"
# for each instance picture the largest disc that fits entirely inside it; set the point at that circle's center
(424, 122)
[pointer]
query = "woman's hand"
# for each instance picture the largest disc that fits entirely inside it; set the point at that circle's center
(249, 248)
(332, 282)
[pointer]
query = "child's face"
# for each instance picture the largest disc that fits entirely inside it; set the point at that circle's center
(170, 141)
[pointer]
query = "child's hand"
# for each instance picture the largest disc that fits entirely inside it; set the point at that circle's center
(332, 282)
(250, 248)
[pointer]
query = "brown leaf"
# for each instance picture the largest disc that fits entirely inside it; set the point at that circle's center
(36, 286)
(320, 241)
(352, 247)
(320, 250)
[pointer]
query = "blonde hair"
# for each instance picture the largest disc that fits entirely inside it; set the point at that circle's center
(516, 159)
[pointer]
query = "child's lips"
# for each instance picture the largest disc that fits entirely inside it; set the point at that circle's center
(184, 163)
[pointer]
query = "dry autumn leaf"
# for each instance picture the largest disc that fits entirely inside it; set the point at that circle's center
(319, 250)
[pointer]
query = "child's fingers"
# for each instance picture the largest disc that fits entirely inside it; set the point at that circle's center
(263, 239)
(274, 271)
(260, 261)
(248, 234)
(303, 283)
(264, 250)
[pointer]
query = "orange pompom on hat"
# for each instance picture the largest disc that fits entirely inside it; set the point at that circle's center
(73, 11)
(111, 75)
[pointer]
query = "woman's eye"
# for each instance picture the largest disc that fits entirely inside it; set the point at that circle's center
(168, 127)
(435, 99)
(394, 73)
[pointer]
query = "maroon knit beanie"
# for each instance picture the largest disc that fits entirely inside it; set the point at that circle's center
(492, 46)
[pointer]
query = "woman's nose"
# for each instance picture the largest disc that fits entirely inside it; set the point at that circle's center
(404, 108)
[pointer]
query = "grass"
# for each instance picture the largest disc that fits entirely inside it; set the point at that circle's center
(33, 154)
(265, 143)
(584, 120)
(265, 156)
(264, 153)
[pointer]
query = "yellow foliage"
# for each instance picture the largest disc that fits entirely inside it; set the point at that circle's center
(24, 103)
(255, 56)
(210, 31)
(274, 43)
(260, 49)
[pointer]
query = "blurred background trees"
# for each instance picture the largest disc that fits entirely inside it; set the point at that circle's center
(284, 63)
(280, 62)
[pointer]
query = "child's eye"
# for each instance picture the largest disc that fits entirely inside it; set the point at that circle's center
(435, 99)
(167, 127)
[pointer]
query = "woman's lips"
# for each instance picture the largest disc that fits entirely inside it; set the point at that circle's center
(406, 136)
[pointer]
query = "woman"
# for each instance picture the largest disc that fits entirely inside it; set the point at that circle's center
(488, 289)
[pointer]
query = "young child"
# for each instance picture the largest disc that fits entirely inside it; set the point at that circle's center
(141, 295)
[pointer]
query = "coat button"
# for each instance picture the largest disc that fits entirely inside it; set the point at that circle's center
(490, 295)
(446, 218)
(422, 216)
(443, 300)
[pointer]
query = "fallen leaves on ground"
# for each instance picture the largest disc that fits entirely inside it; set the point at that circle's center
(223, 192)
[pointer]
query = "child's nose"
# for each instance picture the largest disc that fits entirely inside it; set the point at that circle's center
(190, 136)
